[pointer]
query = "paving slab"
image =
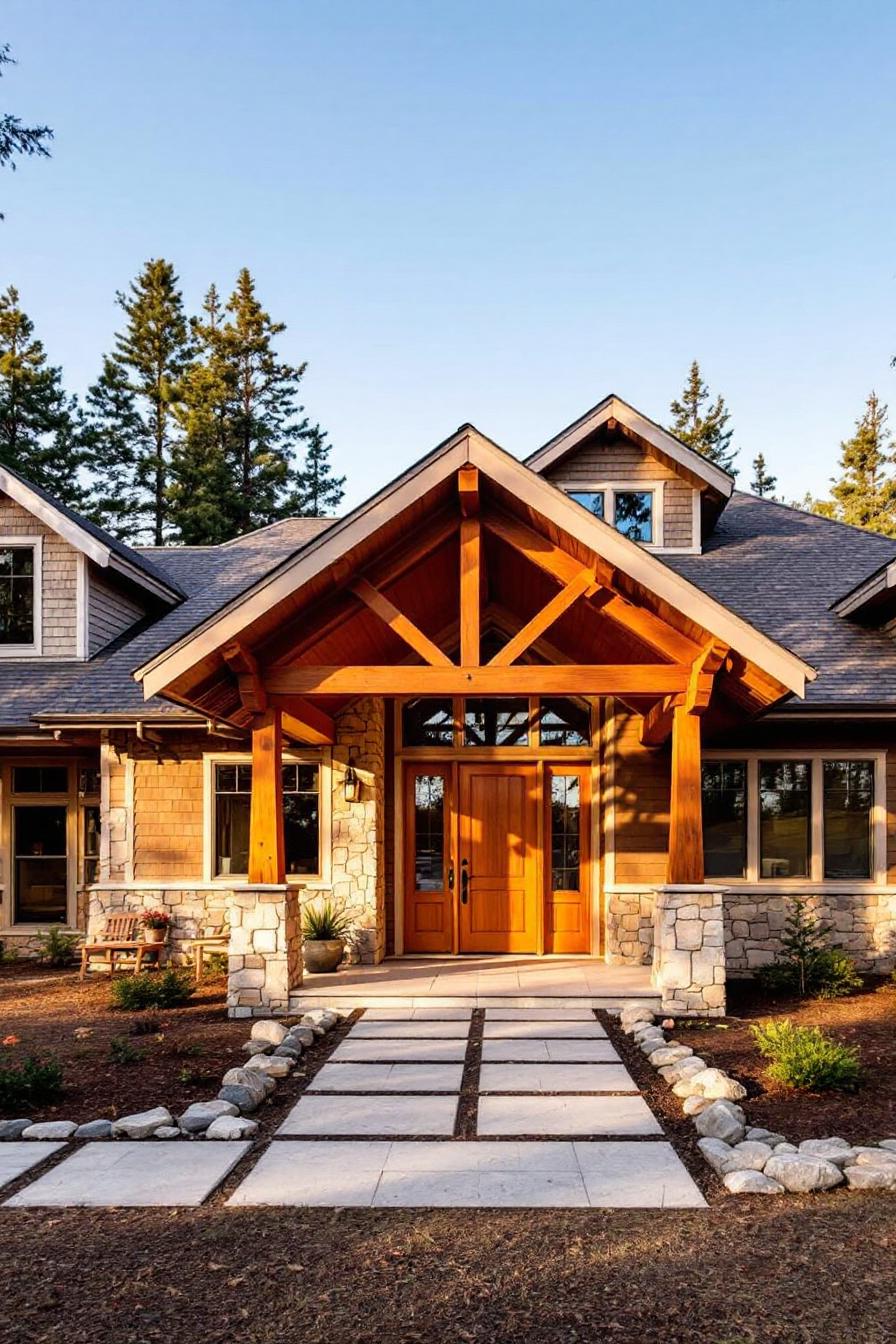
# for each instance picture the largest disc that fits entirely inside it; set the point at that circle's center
(367, 1051)
(480, 1190)
(636, 1176)
(422, 1029)
(334, 1175)
(566, 1115)
(549, 1052)
(331, 1116)
(539, 1015)
(549, 1157)
(417, 1015)
(20, 1155)
(556, 1078)
(387, 1078)
(533, 1031)
(133, 1174)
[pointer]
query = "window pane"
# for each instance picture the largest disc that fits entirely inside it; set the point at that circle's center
(427, 723)
(563, 723)
(17, 595)
(634, 514)
(301, 818)
(848, 799)
(231, 834)
(496, 723)
(725, 818)
(41, 868)
(300, 831)
(40, 779)
(592, 500)
(225, 778)
(565, 833)
(429, 833)
(91, 843)
(784, 813)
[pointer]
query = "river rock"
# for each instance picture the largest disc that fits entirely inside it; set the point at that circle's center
(13, 1129)
(272, 1065)
(716, 1085)
(765, 1136)
(889, 1145)
(266, 1029)
(143, 1124)
(694, 1105)
(302, 1036)
(871, 1178)
(253, 1078)
(288, 1051)
(632, 1013)
(875, 1157)
(837, 1151)
(800, 1174)
(784, 1147)
(669, 1054)
(256, 1048)
(722, 1120)
(167, 1132)
(231, 1127)
(94, 1129)
(246, 1099)
(751, 1183)
(50, 1129)
(197, 1117)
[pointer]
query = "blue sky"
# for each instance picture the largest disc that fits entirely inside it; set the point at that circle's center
(488, 211)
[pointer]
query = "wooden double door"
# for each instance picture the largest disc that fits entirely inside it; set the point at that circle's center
(496, 858)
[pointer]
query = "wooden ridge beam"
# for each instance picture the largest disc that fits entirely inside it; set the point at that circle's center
(468, 491)
(645, 679)
(583, 584)
(402, 625)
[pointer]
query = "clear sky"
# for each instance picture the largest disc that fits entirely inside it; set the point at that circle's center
(481, 210)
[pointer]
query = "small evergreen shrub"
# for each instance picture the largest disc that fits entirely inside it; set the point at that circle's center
(806, 967)
(324, 923)
(36, 1082)
(805, 1057)
(57, 948)
(122, 1052)
(166, 989)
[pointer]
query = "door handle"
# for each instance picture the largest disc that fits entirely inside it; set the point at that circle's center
(465, 876)
(451, 877)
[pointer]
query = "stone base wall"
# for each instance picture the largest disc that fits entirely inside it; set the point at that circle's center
(864, 925)
(689, 950)
(193, 912)
(358, 869)
(265, 960)
(628, 928)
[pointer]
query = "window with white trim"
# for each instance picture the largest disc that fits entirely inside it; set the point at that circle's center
(232, 785)
(634, 509)
(19, 577)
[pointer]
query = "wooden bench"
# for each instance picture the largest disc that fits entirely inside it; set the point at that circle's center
(208, 945)
(120, 936)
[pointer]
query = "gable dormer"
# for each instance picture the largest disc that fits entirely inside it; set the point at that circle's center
(67, 588)
(637, 476)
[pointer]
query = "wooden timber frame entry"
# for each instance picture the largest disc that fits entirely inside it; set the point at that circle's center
(403, 598)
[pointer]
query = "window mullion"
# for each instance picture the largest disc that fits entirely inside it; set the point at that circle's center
(753, 819)
(816, 861)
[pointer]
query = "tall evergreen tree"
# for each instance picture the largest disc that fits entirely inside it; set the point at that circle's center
(319, 492)
(42, 433)
(865, 493)
(133, 404)
(702, 426)
(763, 483)
(17, 140)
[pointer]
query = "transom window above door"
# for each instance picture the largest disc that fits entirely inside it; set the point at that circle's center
(632, 511)
(496, 721)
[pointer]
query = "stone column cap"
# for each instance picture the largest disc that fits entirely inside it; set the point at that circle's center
(257, 886)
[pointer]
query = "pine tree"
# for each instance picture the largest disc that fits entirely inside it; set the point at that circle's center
(704, 430)
(319, 492)
(42, 434)
(16, 139)
(763, 484)
(865, 494)
(134, 400)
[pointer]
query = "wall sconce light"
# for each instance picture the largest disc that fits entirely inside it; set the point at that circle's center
(351, 785)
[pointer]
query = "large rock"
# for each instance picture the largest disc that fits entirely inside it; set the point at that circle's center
(50, 1129)
(13, 1129)
(648, 1044)
(669, 1054)
(800, 1174)
(197, 1117)
(320, 1020)
(686, 1087)
(751, 1183)
(871, 1178)
(273, 1066)
(685, 1068)
(889, 1145)
(635, 1012)
(765, 1136)
(837, 1151)
(875, 1157)
(722, 1120)
(716, 1085)
(302, 1036)
(694, 1105)
(266, 1029)
(253, 1078)
(167, 1132)
(231, 1127)
(288, 1050)
(143, 1124)
(784, 1147)
(743, 1156)
(256, 1047)
(246, 1099)
(94, 1129)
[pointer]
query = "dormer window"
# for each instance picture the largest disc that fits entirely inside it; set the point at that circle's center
(631, 512)
(19, 596)
(592, 500)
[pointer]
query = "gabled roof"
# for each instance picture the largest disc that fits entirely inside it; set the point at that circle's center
(614, 408)
(872, 600)
(93, 541)
(468, 446)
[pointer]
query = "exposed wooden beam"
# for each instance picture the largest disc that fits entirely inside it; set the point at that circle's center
(396, 620)
(536, 548)
(650, 629)
(685, 856)
(243, 664)
(468, 491)
(543, 619)
(304, 722)
(694, 699)
(651, 679)
(470, 591)
(267, 851)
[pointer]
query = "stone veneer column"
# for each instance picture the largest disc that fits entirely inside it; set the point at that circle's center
(265, 953)
(358, 829)
(689, 950)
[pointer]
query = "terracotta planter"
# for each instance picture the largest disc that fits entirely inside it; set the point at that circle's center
(154, 935)
(322, 954)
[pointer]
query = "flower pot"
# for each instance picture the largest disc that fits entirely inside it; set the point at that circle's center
(322, 954)
(154, 935)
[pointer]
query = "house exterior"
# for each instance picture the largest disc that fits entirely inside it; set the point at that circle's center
(597, 704)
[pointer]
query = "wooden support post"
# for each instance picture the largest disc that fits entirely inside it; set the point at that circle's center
(470, 591)
(685, 861)
(267, 857)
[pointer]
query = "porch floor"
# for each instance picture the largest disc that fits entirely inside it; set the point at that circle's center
(478, 982)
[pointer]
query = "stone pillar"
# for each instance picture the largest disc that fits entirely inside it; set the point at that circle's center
(265, 953)
(358, 877)
(689, 950)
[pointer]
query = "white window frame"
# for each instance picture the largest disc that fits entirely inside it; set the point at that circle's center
(610, 490)
(34, 649)
(816, 757)
(322, 759)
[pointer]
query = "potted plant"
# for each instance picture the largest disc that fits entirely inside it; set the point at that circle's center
(323, 930)
(156, 924)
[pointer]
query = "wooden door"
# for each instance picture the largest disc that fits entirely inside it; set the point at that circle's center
(428, 872)
(497, 883)
(567, 859)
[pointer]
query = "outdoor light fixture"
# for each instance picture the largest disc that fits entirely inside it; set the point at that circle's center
(351, 786)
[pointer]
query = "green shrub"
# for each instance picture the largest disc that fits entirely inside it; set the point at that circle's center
(806, 966)
(324, 923)
(122, 1052)
(805, 1057)
(36, 1082)
(57, 948)
(165, 989)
